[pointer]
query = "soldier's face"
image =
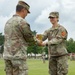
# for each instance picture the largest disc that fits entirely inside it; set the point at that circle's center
(53, 20)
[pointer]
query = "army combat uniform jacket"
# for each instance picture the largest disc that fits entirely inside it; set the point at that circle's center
(56, 40)
(17, 37)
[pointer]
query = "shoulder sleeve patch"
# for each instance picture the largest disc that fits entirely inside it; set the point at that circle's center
(63, 33)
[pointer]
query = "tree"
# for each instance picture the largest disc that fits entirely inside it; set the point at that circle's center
(70, 45)
(1, 43)
(1, 39)
(34, 32)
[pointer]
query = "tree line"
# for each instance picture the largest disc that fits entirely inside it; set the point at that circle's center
(70, 45)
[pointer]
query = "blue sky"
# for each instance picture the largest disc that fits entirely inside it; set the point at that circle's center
(40, 9)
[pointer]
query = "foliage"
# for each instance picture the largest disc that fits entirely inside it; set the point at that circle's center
(34, 32)
(70, 45)
(34, 49)
(1, 43)
(1, 39)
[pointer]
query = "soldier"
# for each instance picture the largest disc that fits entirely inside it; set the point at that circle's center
(43, 56)
(18, 37)
(57, 36)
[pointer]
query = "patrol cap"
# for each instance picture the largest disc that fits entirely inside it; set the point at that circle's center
(54, 14)
(25, 5)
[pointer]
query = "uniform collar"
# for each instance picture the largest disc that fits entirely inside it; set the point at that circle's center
(55, 27)
(15, 15)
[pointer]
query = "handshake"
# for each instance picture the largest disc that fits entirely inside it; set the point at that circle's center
(39, 38)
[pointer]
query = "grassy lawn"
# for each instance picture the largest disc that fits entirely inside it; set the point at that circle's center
(37, 67)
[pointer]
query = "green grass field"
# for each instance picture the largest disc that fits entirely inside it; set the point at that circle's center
(37, 67)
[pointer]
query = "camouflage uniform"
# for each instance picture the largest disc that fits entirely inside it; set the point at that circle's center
(18, 37)
(57, 51)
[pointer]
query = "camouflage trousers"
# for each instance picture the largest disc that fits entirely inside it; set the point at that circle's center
(16, 67)
(58, 65)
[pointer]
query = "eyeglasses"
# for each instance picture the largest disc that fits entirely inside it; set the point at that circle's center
(52, 17)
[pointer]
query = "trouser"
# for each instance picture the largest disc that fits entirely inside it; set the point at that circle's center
(16, 67)
(58, 65)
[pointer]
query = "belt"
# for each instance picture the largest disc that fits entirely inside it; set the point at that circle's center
(58, 56)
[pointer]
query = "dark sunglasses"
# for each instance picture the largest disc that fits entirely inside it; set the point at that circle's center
(52, 17)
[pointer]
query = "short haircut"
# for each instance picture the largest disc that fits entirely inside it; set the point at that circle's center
(19, 8)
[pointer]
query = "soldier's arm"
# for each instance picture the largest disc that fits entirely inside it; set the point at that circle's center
(60, 37)
(27, 33)
(42, 37)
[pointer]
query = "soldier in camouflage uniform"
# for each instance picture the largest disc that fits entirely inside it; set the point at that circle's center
(57, 36)
(18, 36)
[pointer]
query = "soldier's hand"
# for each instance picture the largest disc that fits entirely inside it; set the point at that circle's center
(45, 44)
(41, 43)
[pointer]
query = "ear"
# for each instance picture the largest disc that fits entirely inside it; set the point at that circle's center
(23, 10)
(58, 19)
